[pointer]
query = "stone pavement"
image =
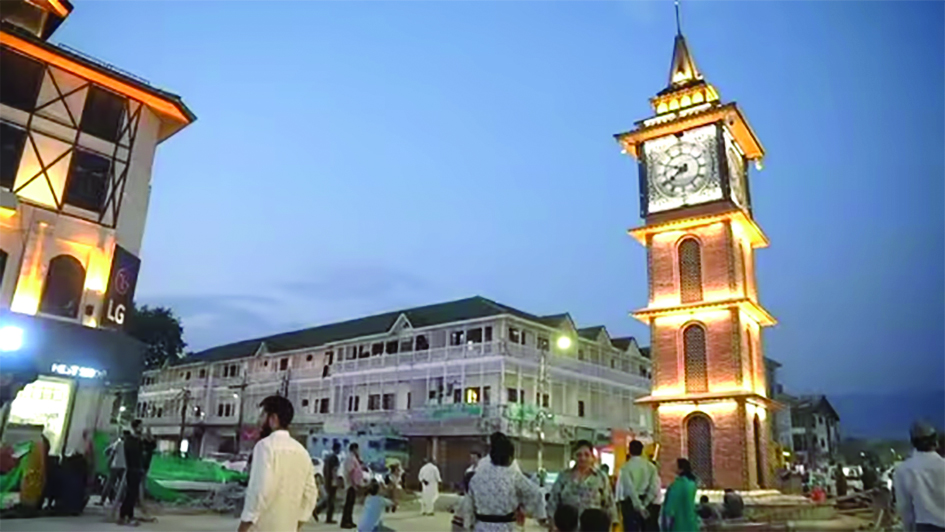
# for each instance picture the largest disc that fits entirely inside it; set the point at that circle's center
(94, 521)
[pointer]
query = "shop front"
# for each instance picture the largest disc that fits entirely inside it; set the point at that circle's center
(85, 379)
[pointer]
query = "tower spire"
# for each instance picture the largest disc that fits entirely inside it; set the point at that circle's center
(678, 25)
(683, 69)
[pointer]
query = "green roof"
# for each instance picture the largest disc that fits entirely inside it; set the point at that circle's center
(426, 316)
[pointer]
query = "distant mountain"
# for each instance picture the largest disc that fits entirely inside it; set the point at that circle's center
(887, 415)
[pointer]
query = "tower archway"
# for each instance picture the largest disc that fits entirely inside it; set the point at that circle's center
(699, 447)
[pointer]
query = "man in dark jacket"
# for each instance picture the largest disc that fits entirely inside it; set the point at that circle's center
(148, 447)
(134, 471)
(330, 474)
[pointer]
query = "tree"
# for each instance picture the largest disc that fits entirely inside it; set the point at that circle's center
(160, 330)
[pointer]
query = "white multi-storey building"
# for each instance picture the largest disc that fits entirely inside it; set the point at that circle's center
(443, 375)
(77, 143)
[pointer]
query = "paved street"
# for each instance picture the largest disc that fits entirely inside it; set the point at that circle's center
(94, 521)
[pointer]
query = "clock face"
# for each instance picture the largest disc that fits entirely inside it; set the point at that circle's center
(736, 175)
(681, 170)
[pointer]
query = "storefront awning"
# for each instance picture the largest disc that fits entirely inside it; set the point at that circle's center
(47, 342)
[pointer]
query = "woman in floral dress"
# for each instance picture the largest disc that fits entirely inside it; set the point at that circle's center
(584, 485)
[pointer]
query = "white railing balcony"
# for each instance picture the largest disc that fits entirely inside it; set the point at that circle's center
(228, 381)
(159, 386)
(601, 372)
(307, 373)
(266, 376)
(412, 358)
(578, 366)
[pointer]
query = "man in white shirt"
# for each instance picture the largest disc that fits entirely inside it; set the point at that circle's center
(116, 470)
(638, 488)
(281, 495)
(430, 484)
(919, 483)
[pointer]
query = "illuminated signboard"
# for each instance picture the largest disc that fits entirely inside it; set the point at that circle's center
(77, 371)
(121, 288)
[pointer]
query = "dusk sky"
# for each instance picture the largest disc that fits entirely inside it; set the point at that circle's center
(358, 157)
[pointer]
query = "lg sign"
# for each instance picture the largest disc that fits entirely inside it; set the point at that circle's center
(123, 281)
(121, 287)
(115, 310)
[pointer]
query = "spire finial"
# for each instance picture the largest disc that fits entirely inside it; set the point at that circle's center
(678, 25)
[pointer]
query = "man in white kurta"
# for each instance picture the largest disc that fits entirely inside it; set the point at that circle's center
(430, 482)
(281, 494)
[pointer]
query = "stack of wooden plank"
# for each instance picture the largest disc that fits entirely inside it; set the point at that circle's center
(873, 507)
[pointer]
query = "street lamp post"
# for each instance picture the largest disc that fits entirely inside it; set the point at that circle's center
(185, 401)
(542, 383)
(563, 343)
(239, 419)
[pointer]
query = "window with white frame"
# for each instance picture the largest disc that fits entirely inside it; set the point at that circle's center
(457, 337)
(474, 336)
(422, 342)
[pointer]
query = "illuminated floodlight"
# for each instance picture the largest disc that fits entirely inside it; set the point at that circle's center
(564, 342)
(11, 338)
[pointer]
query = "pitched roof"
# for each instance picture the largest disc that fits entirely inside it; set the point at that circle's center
(426, 316)
(623, 343)
(555, 320)
(590, 333)
(645, 351)
(816, 403)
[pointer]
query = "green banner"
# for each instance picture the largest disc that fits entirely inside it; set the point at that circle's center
(456, 411)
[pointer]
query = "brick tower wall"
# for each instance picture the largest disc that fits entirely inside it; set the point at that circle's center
(732, 445)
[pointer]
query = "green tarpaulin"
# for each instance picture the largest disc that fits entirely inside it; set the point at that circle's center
(170, 468)
(163, 468)
(11, 480)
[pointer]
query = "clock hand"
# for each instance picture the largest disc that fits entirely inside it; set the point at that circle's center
(679, 169)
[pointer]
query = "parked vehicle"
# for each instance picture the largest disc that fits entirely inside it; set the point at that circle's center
(377, 451)
(233, 462)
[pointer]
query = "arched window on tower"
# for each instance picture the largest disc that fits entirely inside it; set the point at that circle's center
(690, 270)
(759, 452)
(699, 447)
(697, 374)
(62, 292)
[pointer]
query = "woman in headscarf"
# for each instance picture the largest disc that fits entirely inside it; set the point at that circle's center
(498, 491)
(679, 504)
(584, 485)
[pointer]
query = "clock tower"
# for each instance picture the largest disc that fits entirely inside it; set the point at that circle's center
(709, 394)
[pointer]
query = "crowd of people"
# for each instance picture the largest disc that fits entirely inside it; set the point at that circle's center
(498, 497)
